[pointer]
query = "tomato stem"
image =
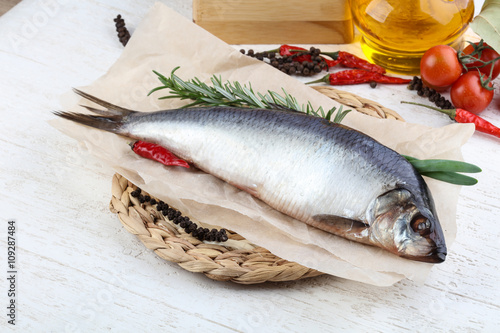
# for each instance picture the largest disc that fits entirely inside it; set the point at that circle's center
(485, 83)
(475, 57)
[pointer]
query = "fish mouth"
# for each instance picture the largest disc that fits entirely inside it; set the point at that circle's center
(435, 257)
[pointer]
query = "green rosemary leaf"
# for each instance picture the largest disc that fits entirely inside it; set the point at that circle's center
(291, 101)
(252, 96)
(267, 100)
(217, 82)
(320, 113)
(330, 113)
(181, 83)
(277, 98)
(309, 109)
(156, 89)
(245, 98)
(170, 97)
(162, 77)
(200, 89)
(340, 115)
(323, 115)
(225, 93)
(212, 101)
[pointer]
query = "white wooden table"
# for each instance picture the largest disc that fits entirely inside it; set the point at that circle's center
(78, 270)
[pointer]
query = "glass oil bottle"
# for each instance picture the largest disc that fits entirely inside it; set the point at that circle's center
(396, 33)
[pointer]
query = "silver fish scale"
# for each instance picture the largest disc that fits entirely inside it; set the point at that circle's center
(298, 164)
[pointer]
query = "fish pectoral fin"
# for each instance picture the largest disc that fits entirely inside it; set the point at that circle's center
(341, 226)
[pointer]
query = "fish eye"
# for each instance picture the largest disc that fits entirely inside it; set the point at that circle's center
(421, 225)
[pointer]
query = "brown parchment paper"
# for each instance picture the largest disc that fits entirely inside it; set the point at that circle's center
(165, 40)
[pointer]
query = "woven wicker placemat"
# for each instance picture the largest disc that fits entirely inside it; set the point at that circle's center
(358, 103)
(236, 260)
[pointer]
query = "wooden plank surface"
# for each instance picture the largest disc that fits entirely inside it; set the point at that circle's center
(79, 270)
(271, 10)
(275, 21)
(324, 32)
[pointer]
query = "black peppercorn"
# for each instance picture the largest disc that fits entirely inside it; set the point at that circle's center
(192, 227)
(123, 34)
(430, 93)
(183, 221)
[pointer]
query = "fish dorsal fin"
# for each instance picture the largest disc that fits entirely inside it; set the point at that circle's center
(342, 226)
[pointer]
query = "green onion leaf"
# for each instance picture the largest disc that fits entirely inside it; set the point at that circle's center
(451, 177)
(445, 170)
(433, 165)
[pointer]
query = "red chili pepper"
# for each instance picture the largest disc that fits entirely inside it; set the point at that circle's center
(340, 57)
(157, 153)
(466, 117)
(482, 125)
(290, 50)
(350, 60)
(357, 76)
(350, 76)
(332, 63)
(382, 78)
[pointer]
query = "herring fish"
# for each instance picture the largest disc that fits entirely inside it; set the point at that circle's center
(327, 175)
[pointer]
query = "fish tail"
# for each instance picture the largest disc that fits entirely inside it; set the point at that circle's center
(111, 109)
(111, 119)
(104, 123)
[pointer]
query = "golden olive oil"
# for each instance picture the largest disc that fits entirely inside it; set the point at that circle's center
(396, 33)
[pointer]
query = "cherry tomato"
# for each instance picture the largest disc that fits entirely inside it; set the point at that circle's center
(439, 66)
(487, 54)
(467, 93)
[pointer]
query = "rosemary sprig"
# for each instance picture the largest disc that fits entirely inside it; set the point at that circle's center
(237, 95)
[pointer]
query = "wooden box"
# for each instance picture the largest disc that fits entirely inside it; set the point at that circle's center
(276, 21)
